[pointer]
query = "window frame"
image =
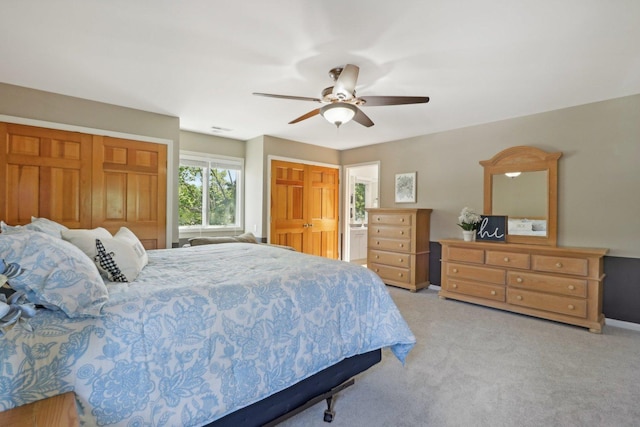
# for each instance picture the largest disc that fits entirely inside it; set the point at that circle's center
(208, 160)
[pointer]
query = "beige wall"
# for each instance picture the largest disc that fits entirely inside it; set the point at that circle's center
(38, 108)
(255, 188)
(599, 172)
(212, 144)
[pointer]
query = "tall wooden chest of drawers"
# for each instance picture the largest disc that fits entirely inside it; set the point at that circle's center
(398, 246)
(561, 284)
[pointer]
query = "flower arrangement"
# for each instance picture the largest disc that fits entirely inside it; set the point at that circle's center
(468, 219)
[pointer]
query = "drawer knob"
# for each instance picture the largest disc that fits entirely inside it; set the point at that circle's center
(493, 292)
(402, 232)
(377, 242)
(377, 269)
(400, 260)
(377, 230)
(519, 280)
(377, 256)
(506, 259)
(559, 264)
(571, 287)
(455, 270)
(400, 274)
(401, 219)
(378, 219)
(402, 245)
(454, 286)
(519, 297)
(570, 307)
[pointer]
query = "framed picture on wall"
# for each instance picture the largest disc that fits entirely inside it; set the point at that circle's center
(405, 188)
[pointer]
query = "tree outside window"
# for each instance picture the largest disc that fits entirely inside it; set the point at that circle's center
(209, 192)
(360, 202)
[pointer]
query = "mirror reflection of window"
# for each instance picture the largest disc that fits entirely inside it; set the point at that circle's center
(360, 202)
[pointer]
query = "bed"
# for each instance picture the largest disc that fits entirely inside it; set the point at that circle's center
(527, 227)
(205, 335)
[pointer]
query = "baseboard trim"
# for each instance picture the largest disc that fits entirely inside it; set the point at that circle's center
(622, 324)
(609, 322)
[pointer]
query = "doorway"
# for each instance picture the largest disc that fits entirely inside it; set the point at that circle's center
(362, 191)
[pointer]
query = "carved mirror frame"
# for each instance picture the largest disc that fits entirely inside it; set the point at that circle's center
(526, 159)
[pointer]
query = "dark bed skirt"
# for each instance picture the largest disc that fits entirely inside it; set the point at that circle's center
(298, 394)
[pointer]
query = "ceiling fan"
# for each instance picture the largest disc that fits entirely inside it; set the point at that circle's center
(341, 100)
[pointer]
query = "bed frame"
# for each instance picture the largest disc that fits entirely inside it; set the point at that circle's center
(300, 396)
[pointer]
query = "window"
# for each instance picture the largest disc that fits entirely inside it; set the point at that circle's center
(360, 193)
(209, 191)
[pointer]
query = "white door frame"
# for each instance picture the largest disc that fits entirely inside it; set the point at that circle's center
(346, 203)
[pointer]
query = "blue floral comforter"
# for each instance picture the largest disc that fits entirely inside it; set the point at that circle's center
(202, 332)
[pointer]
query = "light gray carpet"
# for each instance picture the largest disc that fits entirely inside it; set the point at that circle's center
(476, 366)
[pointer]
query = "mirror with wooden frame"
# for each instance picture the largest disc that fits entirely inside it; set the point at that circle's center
(522, 183)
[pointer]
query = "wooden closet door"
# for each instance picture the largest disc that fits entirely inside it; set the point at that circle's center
(129, 188)
(323, 211)
(304, 208)
(288, 204)
(45, 173)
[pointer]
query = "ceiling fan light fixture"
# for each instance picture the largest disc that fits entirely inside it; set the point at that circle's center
(338, 113)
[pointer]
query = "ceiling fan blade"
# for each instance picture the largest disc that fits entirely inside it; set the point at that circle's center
(306, 116)
(345, 86)
(297, 98)
(373, 101)
(362, 118)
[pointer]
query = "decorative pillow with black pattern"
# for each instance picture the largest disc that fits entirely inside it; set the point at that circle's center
(8, 271)
(106, 263)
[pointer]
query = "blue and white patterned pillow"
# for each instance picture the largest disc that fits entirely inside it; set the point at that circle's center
(48, 226)
(57, 275)
(6, 228)
(42, 225)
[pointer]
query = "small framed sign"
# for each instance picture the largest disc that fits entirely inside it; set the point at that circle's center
(492, 228)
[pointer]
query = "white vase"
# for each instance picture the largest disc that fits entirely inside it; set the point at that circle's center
(469, 235)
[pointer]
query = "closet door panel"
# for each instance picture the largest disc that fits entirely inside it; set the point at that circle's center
(288, 205)
(22, 187)
(129, 188)
(323, 211)
(61, 199)
(143, 194)
(114, 202)
(47, 174)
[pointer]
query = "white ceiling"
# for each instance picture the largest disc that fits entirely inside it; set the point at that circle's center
(478, 61)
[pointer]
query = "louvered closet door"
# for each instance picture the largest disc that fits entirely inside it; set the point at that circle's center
(129, 188)
(45, 173)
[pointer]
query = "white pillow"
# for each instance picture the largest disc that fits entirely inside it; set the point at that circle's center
(127, 253)
(85, 239)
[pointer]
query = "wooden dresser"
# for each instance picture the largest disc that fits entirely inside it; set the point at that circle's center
(561, 284)
(398, 246)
